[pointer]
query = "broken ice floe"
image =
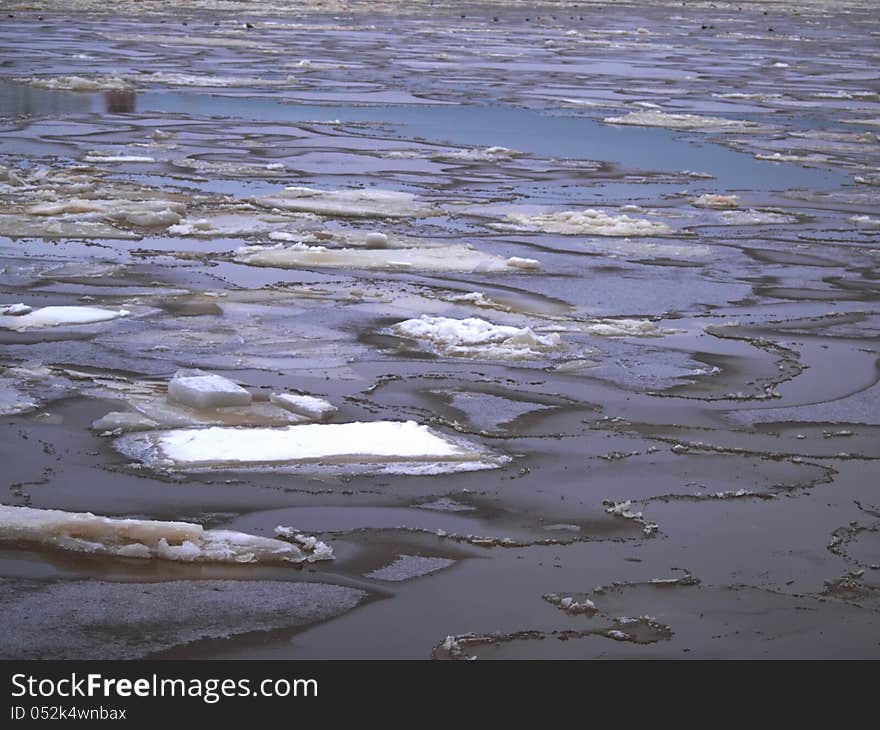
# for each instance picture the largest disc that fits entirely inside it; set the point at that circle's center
(752, 217)
(358, 203)
(712, 200)
(487, 154)
(140, 213)
(21, 226)
(436, 258)
(477, 338)
(586, 222)
(58, 317)
(642, 630)
(80, 83)
(382, 446)
(625, 328)
(623, 509)
(569, 604)
(679, 121)
(134, 538)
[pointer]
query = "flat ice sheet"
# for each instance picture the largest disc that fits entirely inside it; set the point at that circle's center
(374, 442)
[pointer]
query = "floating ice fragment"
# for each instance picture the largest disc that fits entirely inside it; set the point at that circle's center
(316, 549)
(58, 317)
(677, 121)
(122, 421)
(134, 538)
(752, 217)
(474, 337)
(305, 405)
(626, 328)
(100, 157)
(206, 390)
(376, 240)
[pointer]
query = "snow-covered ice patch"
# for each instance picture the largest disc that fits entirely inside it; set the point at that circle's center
(358, 203)
(678, 121)
(133, 538)
(407, 567)
(382, 445)
(435, 258)
(477, 338)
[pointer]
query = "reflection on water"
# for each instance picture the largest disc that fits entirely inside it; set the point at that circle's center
(120, 101)
(25, 100)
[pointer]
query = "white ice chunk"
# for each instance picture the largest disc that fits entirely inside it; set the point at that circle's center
(206, 390)
(15, 310)
(134, 538)
(58, 317)
(305, 405)
(585, 222)
(376, 240)
(713, 200)
(96, 157)
(474, 337)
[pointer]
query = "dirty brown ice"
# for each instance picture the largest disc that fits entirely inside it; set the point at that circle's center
(492, 331)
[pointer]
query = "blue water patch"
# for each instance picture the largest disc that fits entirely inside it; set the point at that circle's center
(531, 131)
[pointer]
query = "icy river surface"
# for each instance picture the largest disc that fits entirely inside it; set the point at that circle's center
(388, 330)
